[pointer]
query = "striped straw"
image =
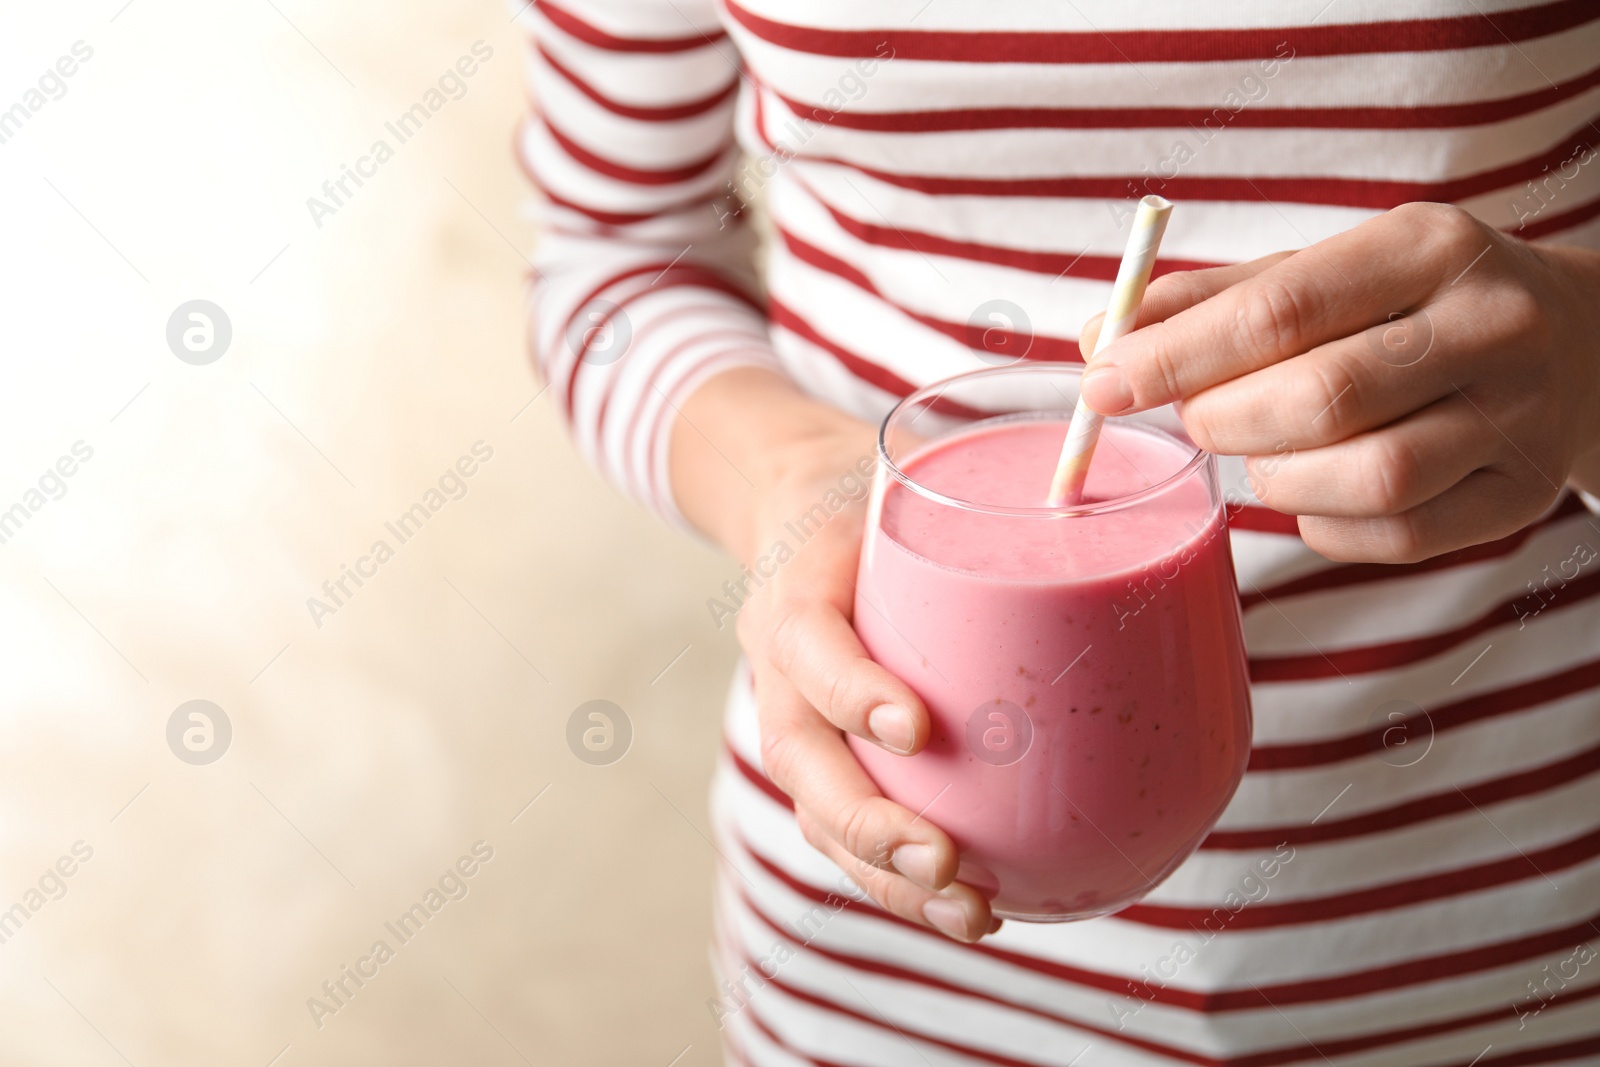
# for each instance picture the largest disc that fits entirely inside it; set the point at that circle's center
(1133, 275)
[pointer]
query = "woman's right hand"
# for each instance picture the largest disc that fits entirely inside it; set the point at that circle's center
(814, 681)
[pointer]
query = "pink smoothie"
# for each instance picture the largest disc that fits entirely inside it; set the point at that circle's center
(1086, 674)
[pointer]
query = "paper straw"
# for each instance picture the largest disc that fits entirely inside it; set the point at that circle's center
(1133, 275)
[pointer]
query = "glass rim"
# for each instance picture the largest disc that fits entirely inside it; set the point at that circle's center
(1099, 507)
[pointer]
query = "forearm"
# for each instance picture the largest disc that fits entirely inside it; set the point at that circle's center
(743, 434)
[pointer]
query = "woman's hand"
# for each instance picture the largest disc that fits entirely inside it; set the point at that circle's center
(1417, 384)
(814, 682)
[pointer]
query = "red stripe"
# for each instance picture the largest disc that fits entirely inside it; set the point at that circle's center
(670, 113)
(636, 175)
(1436, 806)
(604, 218)
(906, 1031)
(1258, 519)
(589, 34)
(1402, 894)
(1055, 264)
(670, 276)
(594, 294)
(755, 777)
(609, 218)
(657, 493)
(1399, 653)
(1373, 194)
(1543, 1054)
(868, 371)
(771, 1035)
(723, 957)
(1450, 716)
(979, 337)
(1177, 46)
(1348, 574)
(668, 356)
(890, 970)
(1419, 971)
(1557, 223)
(1426, 116)
(779, 314)
(1275, 1057)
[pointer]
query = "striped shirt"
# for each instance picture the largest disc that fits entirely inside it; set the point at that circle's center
(946, 187)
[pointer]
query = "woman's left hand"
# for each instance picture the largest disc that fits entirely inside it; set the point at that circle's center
(1417, 384)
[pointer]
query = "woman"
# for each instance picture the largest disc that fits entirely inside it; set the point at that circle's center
(1408, 873)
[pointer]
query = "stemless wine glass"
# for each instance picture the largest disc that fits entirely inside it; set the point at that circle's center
(1084, 666)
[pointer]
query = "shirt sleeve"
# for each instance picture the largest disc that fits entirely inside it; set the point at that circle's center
(643, 284)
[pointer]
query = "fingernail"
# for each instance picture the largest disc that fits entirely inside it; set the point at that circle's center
(995, 925)
(916, 862)
(1106, 390)
(891, 724)
(947, 916)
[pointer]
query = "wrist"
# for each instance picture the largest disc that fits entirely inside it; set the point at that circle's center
(748, 439)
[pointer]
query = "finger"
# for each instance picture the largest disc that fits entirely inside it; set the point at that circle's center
(1333, 392)
(815, 646)
(957, 911)
(808, 759)
(1333, 289)
(1383, 472)
(1485, 505)
(1178, 291)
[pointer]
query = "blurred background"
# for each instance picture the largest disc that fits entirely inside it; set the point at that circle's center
(183, 488)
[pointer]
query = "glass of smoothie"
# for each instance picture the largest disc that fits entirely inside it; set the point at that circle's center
(1084, 666)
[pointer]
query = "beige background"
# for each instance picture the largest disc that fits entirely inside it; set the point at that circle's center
(370, 753)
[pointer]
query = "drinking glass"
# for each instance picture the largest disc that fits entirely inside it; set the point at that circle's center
(1083, 665)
